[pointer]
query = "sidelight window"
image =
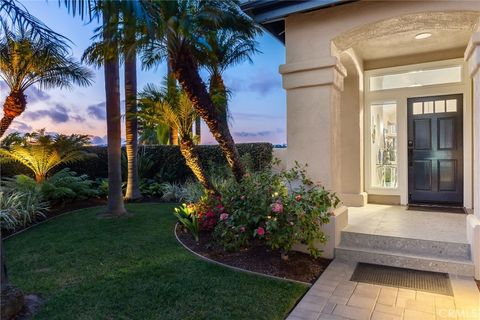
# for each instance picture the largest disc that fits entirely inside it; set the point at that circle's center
(383, 148)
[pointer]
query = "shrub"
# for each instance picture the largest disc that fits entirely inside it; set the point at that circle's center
(168, 163)
(278, 209)
(64, 186)
(20, 208)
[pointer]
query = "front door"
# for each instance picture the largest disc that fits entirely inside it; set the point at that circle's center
(435, 150)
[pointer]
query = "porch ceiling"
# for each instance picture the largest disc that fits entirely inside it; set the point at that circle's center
(396, 37)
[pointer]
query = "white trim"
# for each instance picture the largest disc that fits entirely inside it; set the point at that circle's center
(399, 96)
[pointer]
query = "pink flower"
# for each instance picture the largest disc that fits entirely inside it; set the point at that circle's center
(242, 198)
(298, 197)
(224, 216)
(277, 207)
(260, 231)
(242, 229)
(220, 207)
(209, 214)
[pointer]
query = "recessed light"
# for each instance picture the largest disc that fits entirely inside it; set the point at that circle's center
(424, 35)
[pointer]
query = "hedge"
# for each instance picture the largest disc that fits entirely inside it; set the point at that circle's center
(169, 164)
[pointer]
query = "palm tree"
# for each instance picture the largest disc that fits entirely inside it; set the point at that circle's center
(151, 131)
(182, 27)
(13, 13)
(131, 122)
(25, 61)
(46, 152)
(225, 49)
(115, 205)
(175, 110)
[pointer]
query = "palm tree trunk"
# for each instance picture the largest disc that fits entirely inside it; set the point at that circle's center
(115, 206)
(170, 87)
(14, 105)
(218, 89)
(131, 124)
(189, 152)
(198, 129)
(186, 72)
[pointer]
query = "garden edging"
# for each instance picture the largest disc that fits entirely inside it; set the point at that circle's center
(232, 267)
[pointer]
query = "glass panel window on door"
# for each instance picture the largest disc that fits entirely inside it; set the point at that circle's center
(383, 149)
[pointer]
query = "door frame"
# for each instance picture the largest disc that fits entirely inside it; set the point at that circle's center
(399, 96)
(410, 127)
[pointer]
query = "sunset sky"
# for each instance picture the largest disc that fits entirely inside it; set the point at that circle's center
(257, 103)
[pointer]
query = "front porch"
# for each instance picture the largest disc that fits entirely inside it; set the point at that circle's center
(397, 221)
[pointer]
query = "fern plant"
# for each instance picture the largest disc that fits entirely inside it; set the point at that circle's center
(41, 153)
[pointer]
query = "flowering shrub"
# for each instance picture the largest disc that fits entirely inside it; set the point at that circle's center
(298, 215)
(278, 209)
(209, 210)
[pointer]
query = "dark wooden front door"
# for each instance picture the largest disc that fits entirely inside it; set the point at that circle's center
(435, 149)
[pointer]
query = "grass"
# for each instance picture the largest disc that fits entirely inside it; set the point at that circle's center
(133, 268)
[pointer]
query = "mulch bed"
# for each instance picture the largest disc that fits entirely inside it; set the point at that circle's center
(259, 258)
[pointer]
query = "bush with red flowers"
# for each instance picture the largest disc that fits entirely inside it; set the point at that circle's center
(278, 209)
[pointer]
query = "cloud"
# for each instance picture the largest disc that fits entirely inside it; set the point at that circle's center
(255, 116)
(20, 126)
(58, 114)
(33, 94)
(78, 118)
(97, 111)
(96, 140)
(261, 83)
(36, 95)
(245, 134)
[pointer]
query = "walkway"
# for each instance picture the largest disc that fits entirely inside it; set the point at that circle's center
(335, 297)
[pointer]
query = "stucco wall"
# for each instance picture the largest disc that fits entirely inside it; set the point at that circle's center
(325, 117)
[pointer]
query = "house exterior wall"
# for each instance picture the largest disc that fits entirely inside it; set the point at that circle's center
(325, 112)
(317, 134)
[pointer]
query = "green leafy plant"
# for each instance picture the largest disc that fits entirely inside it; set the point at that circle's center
(64, 186)
(20, 208)
(41, 153)
(279, 209)
(187, 217)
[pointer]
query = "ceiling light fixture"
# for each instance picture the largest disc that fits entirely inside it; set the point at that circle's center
(423, 35)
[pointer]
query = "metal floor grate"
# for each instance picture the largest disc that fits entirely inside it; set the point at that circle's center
(433, 282)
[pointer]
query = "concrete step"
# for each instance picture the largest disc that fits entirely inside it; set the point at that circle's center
(459, 266)
(426, 248)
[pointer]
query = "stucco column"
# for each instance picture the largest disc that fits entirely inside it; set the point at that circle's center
(313, 130)
(313, 104)
(472, 56)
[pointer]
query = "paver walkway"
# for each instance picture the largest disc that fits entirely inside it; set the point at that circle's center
(335, 297)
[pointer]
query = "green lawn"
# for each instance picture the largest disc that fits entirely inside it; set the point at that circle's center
(133, 268)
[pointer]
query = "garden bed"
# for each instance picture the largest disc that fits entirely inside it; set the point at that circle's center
(258, 258)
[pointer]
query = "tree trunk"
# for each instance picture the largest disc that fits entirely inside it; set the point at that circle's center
(186, 72)
(14, 105)
(218, 90)
(189, 152)
(131, 132)
(174, 136)
(115, 206)
(198, 129)
(171, 87)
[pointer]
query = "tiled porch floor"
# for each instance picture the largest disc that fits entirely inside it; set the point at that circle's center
(397, 221)
(334, 297)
